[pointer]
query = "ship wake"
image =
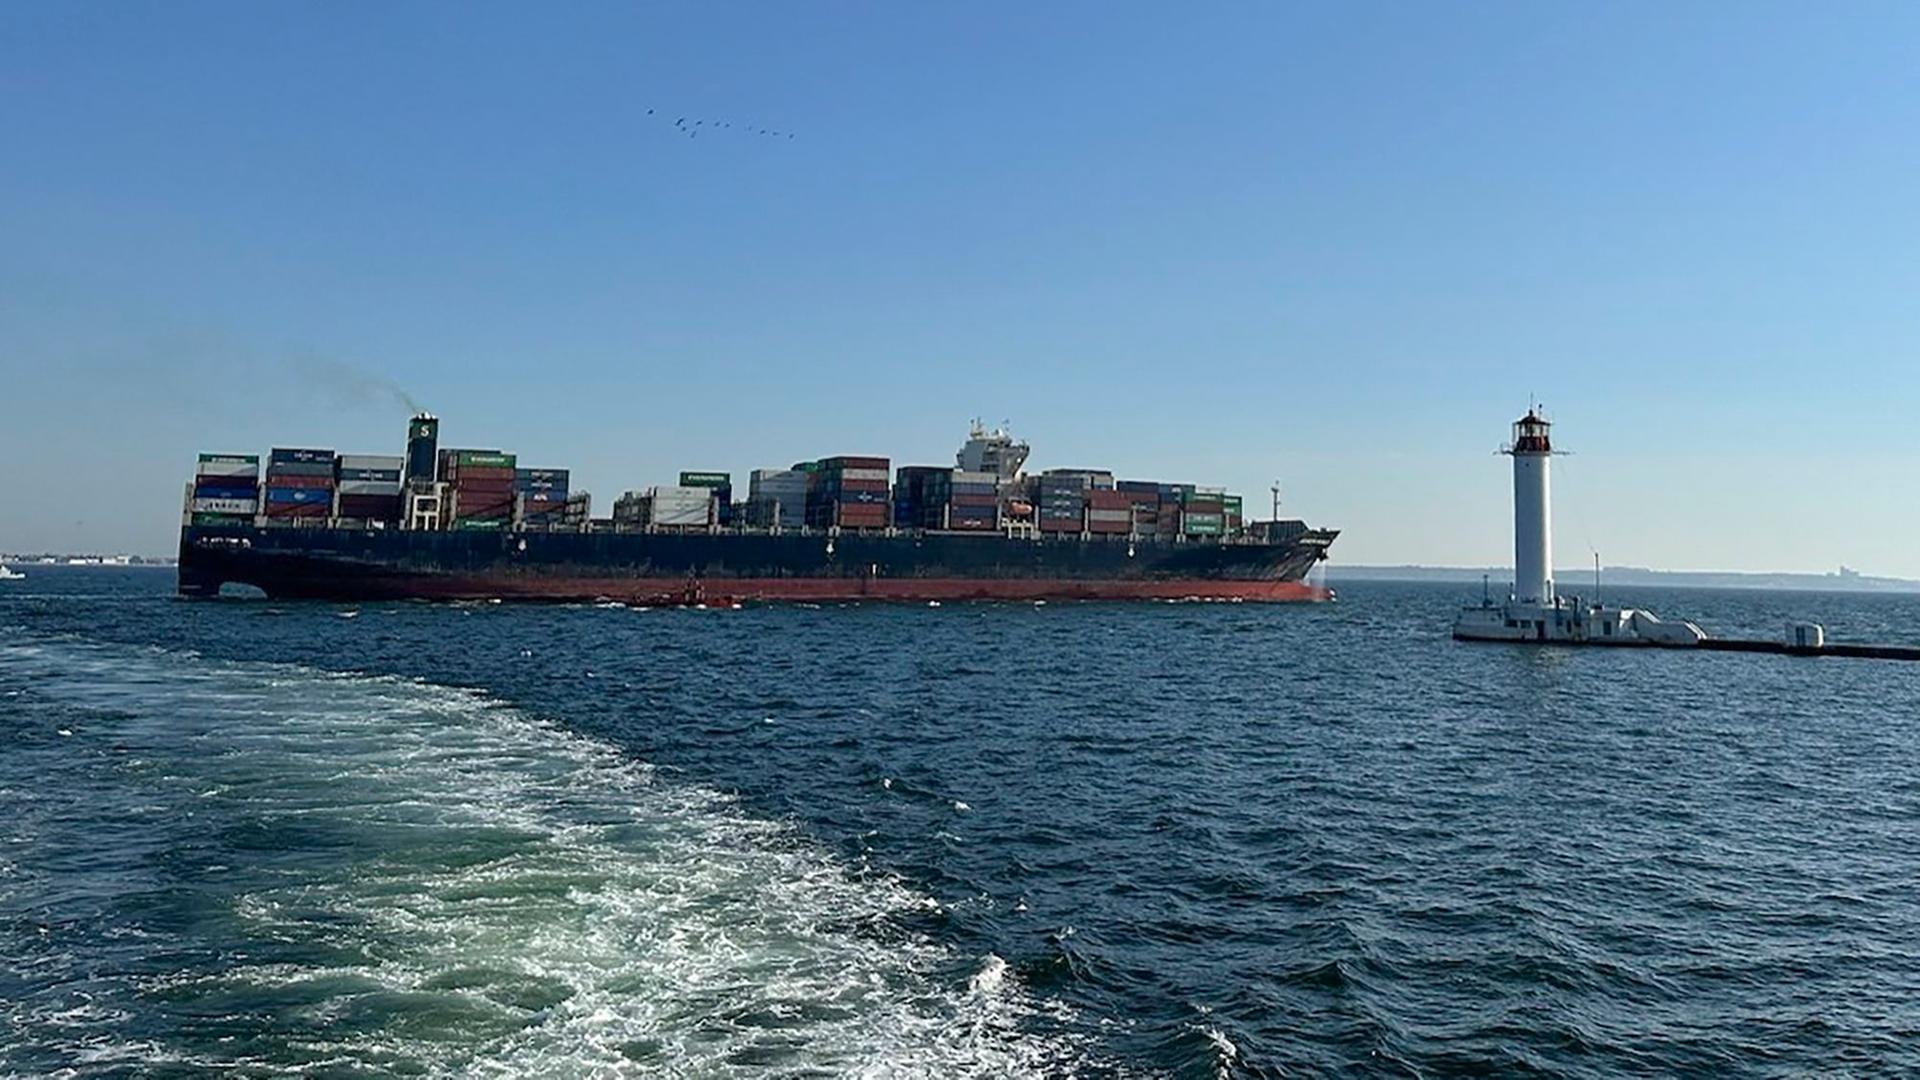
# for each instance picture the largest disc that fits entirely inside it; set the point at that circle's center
(355, 873)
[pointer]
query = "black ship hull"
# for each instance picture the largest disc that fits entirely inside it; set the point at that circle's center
(721, 567)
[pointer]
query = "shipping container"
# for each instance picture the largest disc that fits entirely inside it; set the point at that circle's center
(850, 461)
(392, 462)
(369, 506)
(240, 465)
(300, 468)
(316, 483)
(368, 487)
(293, 456)
(706, 479)
(308, 497)
(247, 506)
(221, 519)
(224, 487)
(463, 474)
(860, 516)
(478, 459)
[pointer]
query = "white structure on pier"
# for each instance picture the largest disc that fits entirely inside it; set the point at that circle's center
(1534, 611)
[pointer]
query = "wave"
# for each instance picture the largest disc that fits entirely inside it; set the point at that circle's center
(391, 875)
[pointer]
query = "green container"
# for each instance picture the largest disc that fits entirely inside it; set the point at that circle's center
(480, 524)
(483, 459)
(222, 519)
(231, 459)
(706, 479)
(1233, 503)
(1195, 528)
(1198, 518)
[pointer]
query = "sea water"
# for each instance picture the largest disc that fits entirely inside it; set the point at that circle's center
(262, 838)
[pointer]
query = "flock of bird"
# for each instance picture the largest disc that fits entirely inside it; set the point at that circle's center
(691, 127)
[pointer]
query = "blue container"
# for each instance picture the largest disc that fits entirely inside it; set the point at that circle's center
(301, 496)
(208, 491)
(288, 455)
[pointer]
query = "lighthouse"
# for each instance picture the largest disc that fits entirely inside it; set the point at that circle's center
(1536, 612)
(1532, 453)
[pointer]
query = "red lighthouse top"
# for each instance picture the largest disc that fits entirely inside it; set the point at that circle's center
(1530, 434)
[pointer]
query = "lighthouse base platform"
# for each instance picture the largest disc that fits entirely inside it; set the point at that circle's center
(1571, 622)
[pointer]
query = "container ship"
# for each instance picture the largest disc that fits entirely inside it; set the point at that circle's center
(473, 524)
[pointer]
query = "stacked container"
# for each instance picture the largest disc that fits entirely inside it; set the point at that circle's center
(721, 484)
(975, 501)
(542, 495)
(300, 487)
(369, 487)
(630, 510)
(226, 490)
(920, 495)
(1062, 498)
(1093, 479)
(1203, 512)
(680, 507)
(480, 483)
(1236, 523)
(849, 492)
(1143, 498)
(1109, 512)
(778, 497)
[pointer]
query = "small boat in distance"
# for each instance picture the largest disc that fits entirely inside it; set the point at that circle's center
(10, 575)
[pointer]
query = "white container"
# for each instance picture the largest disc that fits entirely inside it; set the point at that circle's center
(228, 468)
(372, 461)
(368, 487)
(961, 476)
(865, 474)
(681, 515)
(224, 506)
(681, 505)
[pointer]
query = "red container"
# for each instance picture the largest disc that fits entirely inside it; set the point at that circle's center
(1060, 525)
(973, 500)
(297, 510)
(380, 507)
(1120, 527)
(1109, 500)
(987, 525)
(277, 480)
(861, 485)
(863, 515)
(485, 487)
(849, 461)
(460, 474)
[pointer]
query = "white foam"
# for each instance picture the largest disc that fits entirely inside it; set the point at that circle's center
(554, 907)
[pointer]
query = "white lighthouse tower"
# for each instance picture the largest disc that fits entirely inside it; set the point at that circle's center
(1535, 611)
(1532, 453)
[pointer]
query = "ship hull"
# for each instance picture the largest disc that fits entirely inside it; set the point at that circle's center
(658, 569)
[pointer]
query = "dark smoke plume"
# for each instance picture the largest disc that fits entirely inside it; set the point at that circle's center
(354, 385)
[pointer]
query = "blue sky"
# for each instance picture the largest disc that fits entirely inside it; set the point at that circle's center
(1339, 244)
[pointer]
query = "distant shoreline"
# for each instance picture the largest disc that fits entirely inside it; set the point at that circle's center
(1571, 579)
